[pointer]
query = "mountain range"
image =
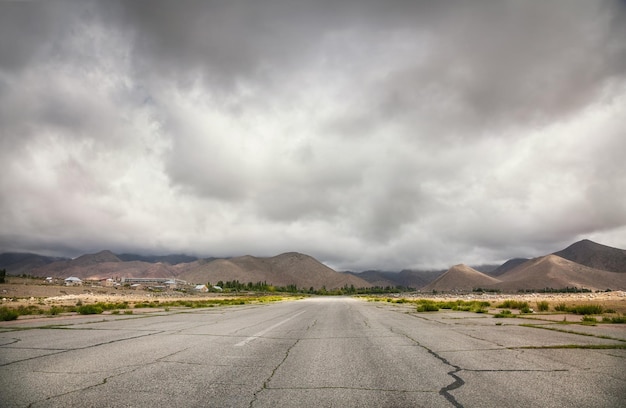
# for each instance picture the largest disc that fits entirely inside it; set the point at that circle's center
(584, 264)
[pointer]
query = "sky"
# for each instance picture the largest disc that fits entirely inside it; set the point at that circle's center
(368, 134)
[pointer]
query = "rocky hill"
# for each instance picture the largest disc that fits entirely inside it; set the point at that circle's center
(552, 271)
(286, 269)
(18, 263)
(507, 266)
(407, 278)
(460, 278)
(584, 264)
(595, 256)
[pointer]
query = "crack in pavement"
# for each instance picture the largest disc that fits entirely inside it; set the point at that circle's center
(103, 382)
(353, 389)
(458, 381)
(268, 379)
(78, 348)
(122, 371)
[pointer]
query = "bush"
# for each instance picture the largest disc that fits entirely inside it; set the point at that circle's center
(504, 313)
(427, 307)
(89, 309)
(543, 306)
(586, 309)
(589, 319)
(29, 310)
(55, 310)
(513, 304)
(7, 314)
(614, 319)
(561, 307)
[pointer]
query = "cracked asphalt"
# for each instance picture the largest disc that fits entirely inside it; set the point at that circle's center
(318, 352)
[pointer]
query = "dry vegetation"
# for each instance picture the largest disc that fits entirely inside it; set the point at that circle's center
(31, 298)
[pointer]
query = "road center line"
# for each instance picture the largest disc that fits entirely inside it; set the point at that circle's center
(262, 332)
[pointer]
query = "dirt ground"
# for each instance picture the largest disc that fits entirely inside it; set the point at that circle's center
(20, 291)
(23, 291)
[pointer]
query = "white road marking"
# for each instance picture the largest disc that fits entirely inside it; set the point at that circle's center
(262, 332)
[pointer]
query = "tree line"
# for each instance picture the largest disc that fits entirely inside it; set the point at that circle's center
(236, 286)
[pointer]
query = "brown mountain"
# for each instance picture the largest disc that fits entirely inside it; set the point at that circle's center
(552, 271)
(376, 278)
(460, 278)
(507, 266)
(286, 269)
(79, 267)
(17, 263)
(595, 256)
(407, 278)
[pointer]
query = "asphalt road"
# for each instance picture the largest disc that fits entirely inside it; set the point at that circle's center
(319, 352)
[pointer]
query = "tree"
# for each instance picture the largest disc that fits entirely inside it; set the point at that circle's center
(3, 274)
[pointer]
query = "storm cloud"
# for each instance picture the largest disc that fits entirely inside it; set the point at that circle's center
(396, 134)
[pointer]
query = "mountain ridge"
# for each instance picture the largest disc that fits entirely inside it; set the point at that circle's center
(584, 263)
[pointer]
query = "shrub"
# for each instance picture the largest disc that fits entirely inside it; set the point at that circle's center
(504, 313)
(55, 310)
(89, 309)
(543, 306)
(513, 304)
(614, 319)
(29, 310)
(561, 307)
(7, 314)
(427, 307)
(586, 309)
(589, 319)
(526, 309)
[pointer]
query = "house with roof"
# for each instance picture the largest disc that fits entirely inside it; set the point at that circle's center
(73, 281)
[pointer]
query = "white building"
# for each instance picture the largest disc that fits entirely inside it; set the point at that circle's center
(73, 281)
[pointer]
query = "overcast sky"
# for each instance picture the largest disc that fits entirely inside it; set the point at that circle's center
(368, 134)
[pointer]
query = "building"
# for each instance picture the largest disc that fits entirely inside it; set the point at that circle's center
(73, 281)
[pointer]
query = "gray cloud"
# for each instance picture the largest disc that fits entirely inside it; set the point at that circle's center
(368, 134)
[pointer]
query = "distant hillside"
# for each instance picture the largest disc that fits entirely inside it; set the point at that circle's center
(18, 263)
(376, 278)
(407, 278)
(552, 271)
(286, 269)
(173, 259)
(584, 264)
(460, 278)
(595, 256)
(507, 266)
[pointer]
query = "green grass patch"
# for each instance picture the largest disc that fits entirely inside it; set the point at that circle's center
(586, 309)
(614, 319)
(543, 306)
(503, 314)
(7, 314)
(89, 309)
(427, 307)
(561, 307)
(513, 304)
(589, 320)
